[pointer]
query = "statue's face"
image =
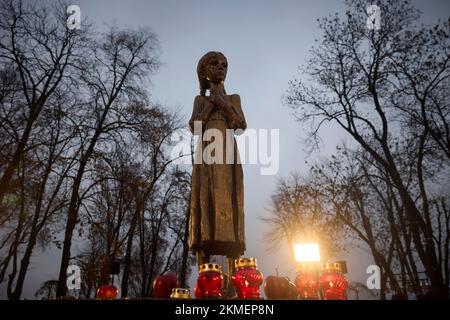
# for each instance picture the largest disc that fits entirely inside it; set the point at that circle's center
(217, 69)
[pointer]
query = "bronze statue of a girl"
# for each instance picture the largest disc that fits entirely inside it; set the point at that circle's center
(217, 199)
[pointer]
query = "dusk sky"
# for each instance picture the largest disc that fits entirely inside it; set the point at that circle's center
(264, 42)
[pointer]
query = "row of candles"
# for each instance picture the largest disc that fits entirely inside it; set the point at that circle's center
(329, 284)
(313, 281)
(247, 279)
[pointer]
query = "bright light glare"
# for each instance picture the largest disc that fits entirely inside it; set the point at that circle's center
(307, 252)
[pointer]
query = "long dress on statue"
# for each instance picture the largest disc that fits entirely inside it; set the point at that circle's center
(217, 200)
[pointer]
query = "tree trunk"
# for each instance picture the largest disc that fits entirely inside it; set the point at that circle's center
(183, 267)
(74, 205)
(127, 260)
(149, 288)
(12, 165)
(70, 226)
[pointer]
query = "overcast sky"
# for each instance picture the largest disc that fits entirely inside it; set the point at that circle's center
(264, 42)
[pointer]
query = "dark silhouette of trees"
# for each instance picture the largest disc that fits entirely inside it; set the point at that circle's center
(85, 153)
(299, 215)
(114, 80)
(39, 55)
(388, 90)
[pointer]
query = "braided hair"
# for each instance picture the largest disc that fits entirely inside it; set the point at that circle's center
(201, 69)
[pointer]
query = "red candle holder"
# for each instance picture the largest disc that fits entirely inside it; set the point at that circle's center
(247, 278)
(107, 292)
(307, 281)
(333, 283)
(209, 281)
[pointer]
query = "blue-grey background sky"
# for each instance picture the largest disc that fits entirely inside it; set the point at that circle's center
(265, 42)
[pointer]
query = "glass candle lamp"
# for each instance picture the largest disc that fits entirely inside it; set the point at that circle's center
(333, 282)
(209, 281)
(247, 278)
(307, 281)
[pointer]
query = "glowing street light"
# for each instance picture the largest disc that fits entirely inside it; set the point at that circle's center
(307, 252)
(307, 256)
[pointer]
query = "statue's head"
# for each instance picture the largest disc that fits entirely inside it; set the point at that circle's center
(212, 67)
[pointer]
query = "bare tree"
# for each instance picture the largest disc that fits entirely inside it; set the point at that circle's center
(298, 214)
(42, 54)
(81, 139)
(46, 173)
(363, 207)
(114, 78)
(355, 83)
